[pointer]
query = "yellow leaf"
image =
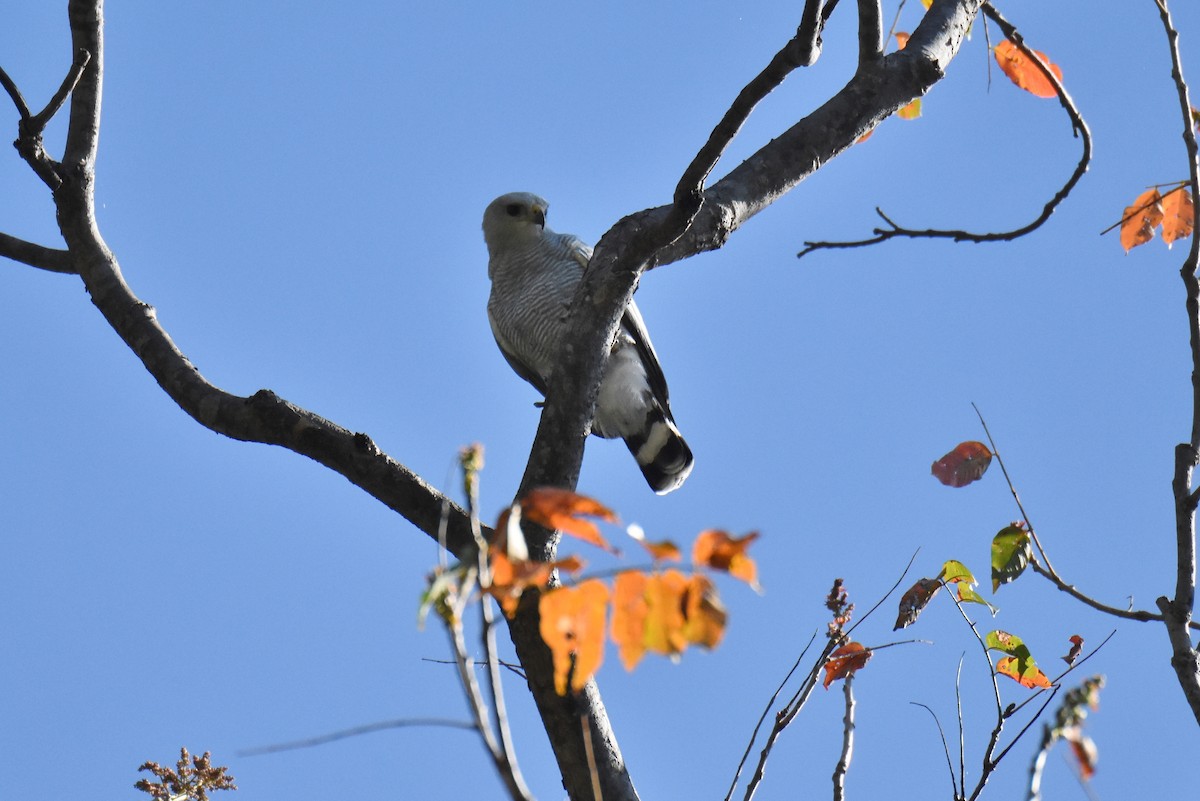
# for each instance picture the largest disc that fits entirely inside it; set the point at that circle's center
(705, 616)
(664, 613)
(629, 616)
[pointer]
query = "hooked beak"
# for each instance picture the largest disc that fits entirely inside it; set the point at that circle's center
(539, 216)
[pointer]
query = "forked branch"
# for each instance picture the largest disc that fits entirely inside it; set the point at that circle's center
(1079, 128)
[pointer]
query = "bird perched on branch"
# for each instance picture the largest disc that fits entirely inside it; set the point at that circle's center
(535, 273)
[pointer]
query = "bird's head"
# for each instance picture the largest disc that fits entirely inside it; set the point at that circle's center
(514, 218)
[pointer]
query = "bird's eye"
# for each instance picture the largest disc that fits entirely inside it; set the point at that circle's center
(513, 209)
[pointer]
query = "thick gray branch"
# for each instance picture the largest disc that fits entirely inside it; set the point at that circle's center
(40, 256)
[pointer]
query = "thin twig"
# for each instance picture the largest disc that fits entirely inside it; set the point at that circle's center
(590, 751)
(962, 730)
(1049, 697)
(1047, 571)
(843, 764)
(1177, 611)
(989, 764)
(1079, 128)
(506, 756)
(785, 716)
(792, 708)
(37, 123)
(1182, 185)
(509, 666)
(369, 728)
(801, 50)
(766, 710)
(1014, 709)
(886, 595)
(18, 99)
(945, 747)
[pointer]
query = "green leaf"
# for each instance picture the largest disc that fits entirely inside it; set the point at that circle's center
(1011, 552)
(1015, 647)
(967, 594)
(954, 570)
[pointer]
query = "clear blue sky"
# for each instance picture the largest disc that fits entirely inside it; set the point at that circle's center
(298, 193)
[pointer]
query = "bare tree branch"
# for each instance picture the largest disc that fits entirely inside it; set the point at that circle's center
(504, 752)
(369, 728)
(945, 747)
(10, 86)
(1079, 128)
(263, 417)
(40, 256)
(766, 710)
(38, 122)
(1047, 571)
(843, 763)
(1177, 611)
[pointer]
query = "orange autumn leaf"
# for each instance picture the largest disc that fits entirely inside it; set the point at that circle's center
(567, 511)
(1139, 220)
(717, 549)
(572, 626)
(661, 551)
(703, 613)
(664, 613)
(912, 110)
(844, 661)
(1023, 72)
(510, 577)
(963, 465)
(1178, 215)
(629, 616)
(1032, 677)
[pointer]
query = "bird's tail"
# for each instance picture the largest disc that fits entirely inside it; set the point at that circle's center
(661, 453)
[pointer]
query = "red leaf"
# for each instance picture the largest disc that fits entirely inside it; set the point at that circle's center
(1076, 647)
(966, 463)
(844, 661)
